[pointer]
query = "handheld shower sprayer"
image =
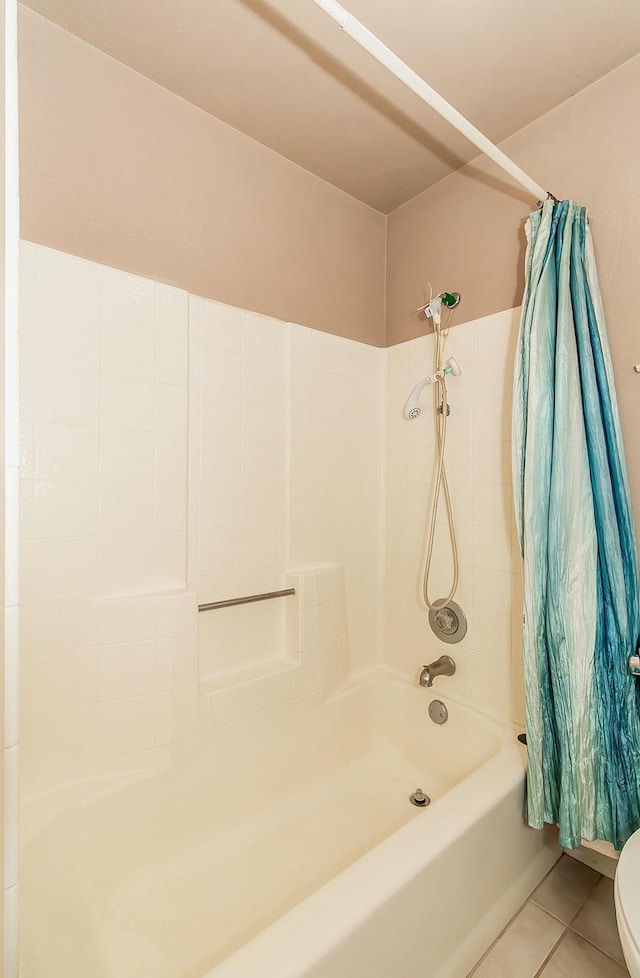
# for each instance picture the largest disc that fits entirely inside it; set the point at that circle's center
(412, 408)
(433, 310)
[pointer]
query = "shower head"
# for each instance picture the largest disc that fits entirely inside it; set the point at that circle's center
(412, 409)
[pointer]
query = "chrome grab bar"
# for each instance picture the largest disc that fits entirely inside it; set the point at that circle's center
(248, 599)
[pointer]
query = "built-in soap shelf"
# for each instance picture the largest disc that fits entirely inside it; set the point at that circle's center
(251, 672)
(310, 649)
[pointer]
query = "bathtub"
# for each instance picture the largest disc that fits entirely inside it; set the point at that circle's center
(294, 852)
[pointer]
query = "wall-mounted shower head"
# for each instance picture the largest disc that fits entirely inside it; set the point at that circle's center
(412, 409)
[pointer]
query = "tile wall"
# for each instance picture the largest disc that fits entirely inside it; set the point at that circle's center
(9, 760)
(285, 489)
(489, 659)
(336, 474)
(108, 632)
(237, 485)
(176, 451)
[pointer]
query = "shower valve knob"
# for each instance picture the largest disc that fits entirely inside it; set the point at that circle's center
(445, 621)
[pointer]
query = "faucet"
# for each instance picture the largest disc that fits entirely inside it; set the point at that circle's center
(444, 666)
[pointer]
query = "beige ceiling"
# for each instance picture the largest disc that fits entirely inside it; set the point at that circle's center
(285, 74)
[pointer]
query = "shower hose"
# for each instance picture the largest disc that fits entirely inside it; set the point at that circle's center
(441, 411)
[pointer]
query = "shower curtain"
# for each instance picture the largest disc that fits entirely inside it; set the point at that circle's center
(573, 511)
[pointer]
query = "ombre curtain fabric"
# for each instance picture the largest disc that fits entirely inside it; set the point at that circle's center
(573, 511)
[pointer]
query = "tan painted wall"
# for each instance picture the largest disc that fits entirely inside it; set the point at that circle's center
(117, 169)
(466, 233)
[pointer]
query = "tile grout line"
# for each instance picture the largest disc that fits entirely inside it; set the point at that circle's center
(584, 902)
(498, 938)
(570, 923)
(551, 953)
(573, 920)
(509, 922)
(588, 940)
(570, 926)
(567, 926)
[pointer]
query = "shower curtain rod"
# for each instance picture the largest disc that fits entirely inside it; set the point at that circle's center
(362, 36)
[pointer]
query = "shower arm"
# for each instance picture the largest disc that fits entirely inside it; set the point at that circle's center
(362, 36)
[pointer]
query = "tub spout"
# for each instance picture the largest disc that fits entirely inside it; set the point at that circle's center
(444, 666)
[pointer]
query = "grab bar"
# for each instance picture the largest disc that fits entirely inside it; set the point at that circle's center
(248, 599)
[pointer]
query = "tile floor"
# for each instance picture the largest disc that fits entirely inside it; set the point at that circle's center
(566, 929)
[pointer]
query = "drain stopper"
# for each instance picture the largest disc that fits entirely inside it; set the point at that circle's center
(419, 798)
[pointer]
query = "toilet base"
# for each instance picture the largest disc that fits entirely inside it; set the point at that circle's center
(629, 948)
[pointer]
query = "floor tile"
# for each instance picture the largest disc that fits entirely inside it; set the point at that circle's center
(525, 944)
(575, 958)
(566, 888)
(597, 920)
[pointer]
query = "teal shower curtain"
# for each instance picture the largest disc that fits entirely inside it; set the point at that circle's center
(573, 511)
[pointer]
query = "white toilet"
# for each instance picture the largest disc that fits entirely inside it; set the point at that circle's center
(627, 896)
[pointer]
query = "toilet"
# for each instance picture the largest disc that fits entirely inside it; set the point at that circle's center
(627, 897)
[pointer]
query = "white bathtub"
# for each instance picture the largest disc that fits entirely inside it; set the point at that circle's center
(295, 854)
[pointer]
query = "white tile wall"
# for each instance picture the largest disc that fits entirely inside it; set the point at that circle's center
(113, 695)
(10, 552)
(335, 473)
(286, 430)
(104, 484)
(479, 468)
(237, 483)
(317, 641)
(176, 451)
(128, 388)
(104, 438)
